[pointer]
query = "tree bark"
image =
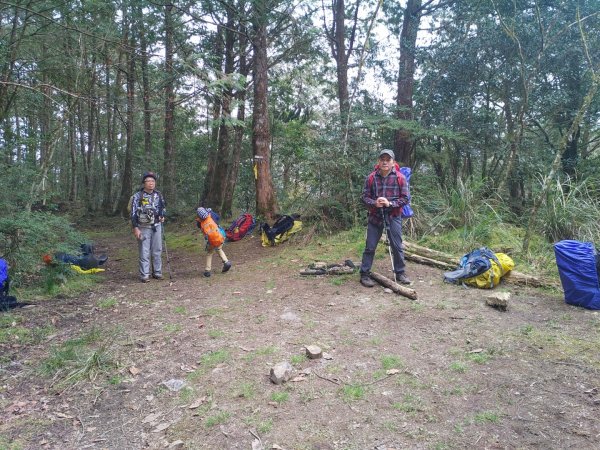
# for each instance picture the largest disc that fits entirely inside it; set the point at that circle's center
(126, 186)
(145, 87)
(169, 175)
(337, 42)
(236, 151)
(216, 193)
(266, 203)
(216, 114)
(107, 196)
(397, 288)
(404, 143)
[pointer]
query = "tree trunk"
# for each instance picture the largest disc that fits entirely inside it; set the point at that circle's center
(341, 56)
(108, 173)
(73, 154)
(81, 139)
(216, 114)
(169, 180)
(404, 144)
(236, 151)
(146, 90)
(91, 137)
(126, 186)
(222, 160)
(266, 203)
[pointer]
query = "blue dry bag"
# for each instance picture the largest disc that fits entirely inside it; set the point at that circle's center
(576, 263)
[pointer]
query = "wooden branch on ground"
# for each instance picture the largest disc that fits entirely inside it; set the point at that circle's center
(335, 269)
(397, 288)
(428, 261)
(430, 253)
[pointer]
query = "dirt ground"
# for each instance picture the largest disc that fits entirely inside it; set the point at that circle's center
(443, 372)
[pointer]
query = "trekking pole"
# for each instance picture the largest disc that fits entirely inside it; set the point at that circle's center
(167, 253)
(388, 242)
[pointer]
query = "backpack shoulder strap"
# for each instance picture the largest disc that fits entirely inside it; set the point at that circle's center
(141, 191)
(371, 178)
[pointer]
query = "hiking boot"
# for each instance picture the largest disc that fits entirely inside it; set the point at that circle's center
(207, 273)
(145, 279)
(158, 276)
(366, 281)
(402, 279)
(226, 266)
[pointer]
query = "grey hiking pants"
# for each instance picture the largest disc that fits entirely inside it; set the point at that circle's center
(395, 238)
(150, 247)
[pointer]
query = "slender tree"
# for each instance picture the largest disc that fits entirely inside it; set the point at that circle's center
(266, 201)
(169, 172)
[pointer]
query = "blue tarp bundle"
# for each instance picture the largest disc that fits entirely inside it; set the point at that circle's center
(576, 263)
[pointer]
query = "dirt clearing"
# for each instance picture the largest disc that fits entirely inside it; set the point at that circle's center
(186, 365)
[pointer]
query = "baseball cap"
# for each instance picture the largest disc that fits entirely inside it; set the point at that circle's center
(148, 175)
(387, 151)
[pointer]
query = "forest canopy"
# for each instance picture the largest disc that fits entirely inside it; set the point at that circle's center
(272, 106)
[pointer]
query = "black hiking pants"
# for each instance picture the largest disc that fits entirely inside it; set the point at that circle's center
(395, 238)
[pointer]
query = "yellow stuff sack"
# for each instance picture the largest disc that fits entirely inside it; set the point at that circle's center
(78, 269)
(491, 278)
(279, 238)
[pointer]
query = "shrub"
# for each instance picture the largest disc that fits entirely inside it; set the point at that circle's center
(25, 237)
(570, 211)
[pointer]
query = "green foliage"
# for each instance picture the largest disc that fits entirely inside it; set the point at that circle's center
(106, 303)
(571, 211)
(212, 359)
(55, 276)
(391, 362)
(25, 237)
(280, 397)
(353, 392)
(487, 417)
(216, 419)
(409, 404)
(13, 331)
(80, 358)
(467, 207)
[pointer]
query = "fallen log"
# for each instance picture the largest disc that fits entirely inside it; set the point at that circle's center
(397, 288)
(429, 261)
(430, 253)
(331, 270)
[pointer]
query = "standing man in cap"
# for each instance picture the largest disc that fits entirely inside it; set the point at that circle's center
(147, 215)
(385, 193)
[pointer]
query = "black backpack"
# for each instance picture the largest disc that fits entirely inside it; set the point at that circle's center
(281, 225)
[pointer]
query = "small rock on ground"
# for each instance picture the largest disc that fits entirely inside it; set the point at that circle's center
(282, 372)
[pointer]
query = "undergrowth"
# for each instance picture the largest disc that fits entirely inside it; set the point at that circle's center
(83, 358)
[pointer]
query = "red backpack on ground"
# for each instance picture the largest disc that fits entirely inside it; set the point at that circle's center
(240, 227)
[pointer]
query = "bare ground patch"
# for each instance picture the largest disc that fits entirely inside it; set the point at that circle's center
(443, 372)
